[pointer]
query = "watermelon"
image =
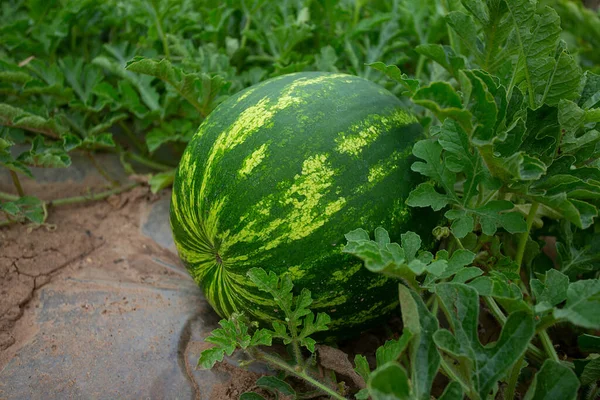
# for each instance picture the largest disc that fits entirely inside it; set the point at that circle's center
(274, 178)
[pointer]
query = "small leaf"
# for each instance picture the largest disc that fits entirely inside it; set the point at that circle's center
(423, 325)
(443, 55)
(441, 99)
(394, 73)
(262, 337)
(161, 180)
(552, 292)
(583, 302)
(452, 392)
(209, 357)
(589, 343)
(425, 195)
(26, 207)
(461, 305)
(362, 366)
(389, 382)
(393, 349)
(553, 381)
(276, 385)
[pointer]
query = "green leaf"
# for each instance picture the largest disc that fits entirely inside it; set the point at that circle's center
(161, 180)
(452, 392)
(116, 65)
(326, 60)
(460, 158)
(441, 99)
(493, 215)
(553, 381)
(422, 324)
(496, 285)
(461, 305)
(583, 301)
(200, 90)
(391, 259)
(389, 382)
(18, 118)
(276, 385)
(43, 154)
(393, 349)
(362, 366)
(591, 372)
(425, 195)
(26, 207)
(565, 82)
(547, 78)
(589, 343)
(481, 103)
(209, 357)
(466, 29)
(590, 95)
(311, 325)
(394, 73)
(577, 253)
(551, 292)
(434, 167)
(251, 396)
(261, 337)
(362, 394)
(443, 55)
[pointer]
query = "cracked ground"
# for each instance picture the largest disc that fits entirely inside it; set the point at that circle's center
(96, 304)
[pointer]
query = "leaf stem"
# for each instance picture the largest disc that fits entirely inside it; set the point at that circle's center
(300, 373)
(245, 30)
(525, 235)
(160, 30)
(548, 345)
(129, 133)
(93, 197)
(457, 240)
(495, 309)
(101, 170)
(447, 370)
(8, 196)
(17, 183)
(149, 163)
(532, 350)
(420, 65)
(513, 379)
(546, 323)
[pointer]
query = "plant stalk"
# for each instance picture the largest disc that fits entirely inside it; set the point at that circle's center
(101, 170)
(513, 379)
(534, 352)
(93, 197)
(160, 30)
(149, 163)
(8, 196)
(136, 142)
(548, 346)
(298, 373)
(546, 323)
(525, 235)
(17, 183)
(447, 370)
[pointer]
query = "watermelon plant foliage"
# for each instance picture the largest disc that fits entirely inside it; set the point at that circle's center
(512, 158)
(136, 78)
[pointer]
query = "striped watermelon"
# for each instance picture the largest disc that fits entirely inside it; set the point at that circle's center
(275, 177)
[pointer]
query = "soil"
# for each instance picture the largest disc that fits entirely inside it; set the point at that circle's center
(75, 238)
